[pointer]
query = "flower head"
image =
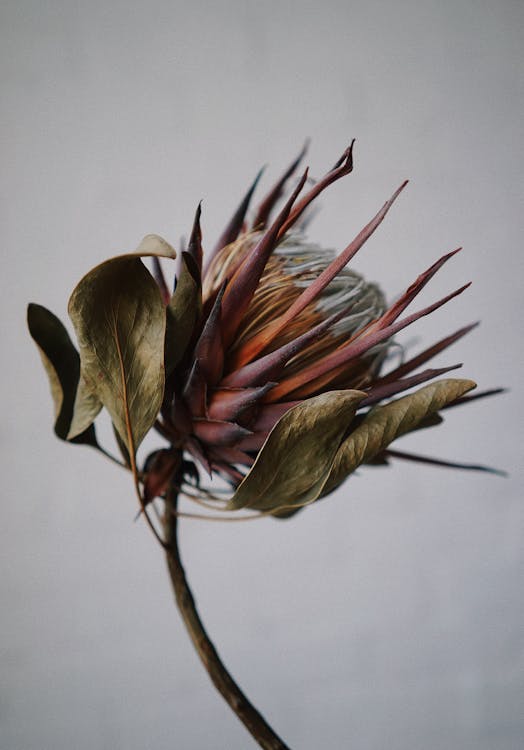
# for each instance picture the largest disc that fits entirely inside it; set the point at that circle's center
(269, 366)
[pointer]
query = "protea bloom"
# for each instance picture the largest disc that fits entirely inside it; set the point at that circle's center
(268, 369)
(264, 367)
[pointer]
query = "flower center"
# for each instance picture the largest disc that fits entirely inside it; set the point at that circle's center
(294, 265)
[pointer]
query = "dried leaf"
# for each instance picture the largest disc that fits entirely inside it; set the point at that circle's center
(153, 245)
(122, 447)
(295, 461)
(183, 312)
(86, 408)
(62, 364)
(119, 318)
(384, 424)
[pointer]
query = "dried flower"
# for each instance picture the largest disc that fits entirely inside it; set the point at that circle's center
(268, 368)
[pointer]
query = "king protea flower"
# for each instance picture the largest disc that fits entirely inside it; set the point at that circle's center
(269, 366)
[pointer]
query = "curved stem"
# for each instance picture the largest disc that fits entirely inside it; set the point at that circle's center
(225, 684)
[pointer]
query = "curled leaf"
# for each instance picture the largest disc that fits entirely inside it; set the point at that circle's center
(383, 424)
(62, 364)
(295, 461)
(154, 245)
(119, 320)
(183, 312)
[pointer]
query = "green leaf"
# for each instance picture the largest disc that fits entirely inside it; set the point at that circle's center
(383, 424)
(295, 461)
(119, 318)
(183, 312)
(62, 364)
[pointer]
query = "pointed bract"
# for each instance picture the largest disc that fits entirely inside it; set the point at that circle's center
(234, 226)
(267, 205)
(194, 247)
(256, 345)
(240, 290)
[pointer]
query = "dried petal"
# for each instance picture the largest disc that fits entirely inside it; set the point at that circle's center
(265, 208)
(240, 290)
(232, 230)
(217, 432)
(159, 474)
(342, 168)
(258, 343)
(355, 350)
(194, 247)
(228, 403)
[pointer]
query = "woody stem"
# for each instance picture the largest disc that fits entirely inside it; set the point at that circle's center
(225, 684)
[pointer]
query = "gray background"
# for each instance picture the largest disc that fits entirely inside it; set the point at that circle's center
(390, 615)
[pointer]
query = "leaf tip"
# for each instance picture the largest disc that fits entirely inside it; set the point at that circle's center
(32, 308)
(153, 244)
(469, 385)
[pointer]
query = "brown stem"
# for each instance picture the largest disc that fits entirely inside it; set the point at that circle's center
(225, 684)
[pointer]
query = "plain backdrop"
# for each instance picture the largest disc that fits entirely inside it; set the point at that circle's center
(389, 616)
